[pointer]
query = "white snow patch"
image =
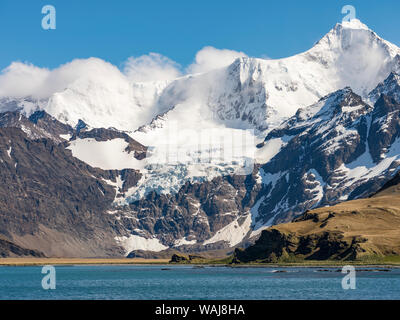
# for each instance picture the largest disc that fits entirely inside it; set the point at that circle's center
(271, 178)
(364, 167)
(270, 149)
(65, 136)
(117, 186)
(134, 242)
(184, 241)
(318, 189)
(112, 212)
(9, 151)
(107, 155)
(259, 230)
(257, 226)
(233, 233)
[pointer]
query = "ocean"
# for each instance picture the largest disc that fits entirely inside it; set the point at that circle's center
(93, 282)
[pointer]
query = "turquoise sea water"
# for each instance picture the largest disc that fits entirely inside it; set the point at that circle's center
(188, 282)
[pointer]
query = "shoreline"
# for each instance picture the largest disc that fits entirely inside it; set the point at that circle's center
(21, 262)
(79, 261)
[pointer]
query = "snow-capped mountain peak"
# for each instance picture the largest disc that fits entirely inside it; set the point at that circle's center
(264, 92)
(250, 93)
(357, 56)
(353, 24)
(329, 115)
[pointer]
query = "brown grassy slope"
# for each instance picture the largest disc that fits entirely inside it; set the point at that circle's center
(75, 261)
(348, 231)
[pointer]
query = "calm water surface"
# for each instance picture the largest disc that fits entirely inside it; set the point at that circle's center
(187, 282)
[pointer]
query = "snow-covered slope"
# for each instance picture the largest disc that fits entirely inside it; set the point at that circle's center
(27, 105)
(338, 149)
(90, 90)
(389, 87)
(249, 93)
(256, 95)
(199, 181)
(259, 93)
(104, 103)
(197, 111)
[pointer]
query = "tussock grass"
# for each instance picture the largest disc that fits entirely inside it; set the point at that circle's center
(76, 261)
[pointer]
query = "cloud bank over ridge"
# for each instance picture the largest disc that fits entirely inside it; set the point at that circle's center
(22, 79)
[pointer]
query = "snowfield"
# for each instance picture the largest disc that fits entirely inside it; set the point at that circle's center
(134, 242)
(107, 155)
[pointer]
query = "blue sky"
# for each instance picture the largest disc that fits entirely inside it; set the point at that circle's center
(116, 30)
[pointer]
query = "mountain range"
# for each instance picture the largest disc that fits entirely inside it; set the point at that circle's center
(204, 162)
(366, 229)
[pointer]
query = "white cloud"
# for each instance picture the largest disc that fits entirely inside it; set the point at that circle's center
(210, 58)
(92, 90)
(24, 79)
(151, 67)
(102, 95)
(21, 80)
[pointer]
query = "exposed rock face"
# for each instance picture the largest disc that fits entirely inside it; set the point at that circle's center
(274, 246)
(146, 254)
(9, 249)
(316, 142)
(351, 230)
(45, 191)
(385, 127)
(39, 125)
(389, 87)
(338, 149)
(341, 147)
(196, 212)
(318, 145)
(130, 178)
(322, 149)
(57, 198)
(178, 258)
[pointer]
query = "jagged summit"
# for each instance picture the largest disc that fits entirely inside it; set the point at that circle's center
(250, 93)
(354, 34)
(353, 24)
(266, 91)
(326, 142)
(337, 149)
(339, 102)
(391, 86)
